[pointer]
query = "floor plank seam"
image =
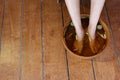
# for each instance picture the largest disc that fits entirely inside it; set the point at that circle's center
(21, 26)
(113, 39)
(93, 68)
(42, 39)
(67, 66)
(2, 25)
(62, 12)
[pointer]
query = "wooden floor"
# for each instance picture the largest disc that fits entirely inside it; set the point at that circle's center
(31, 42)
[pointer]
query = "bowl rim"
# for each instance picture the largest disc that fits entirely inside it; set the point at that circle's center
(105, 27)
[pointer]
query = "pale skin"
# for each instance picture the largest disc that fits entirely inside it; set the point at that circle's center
(95, 11)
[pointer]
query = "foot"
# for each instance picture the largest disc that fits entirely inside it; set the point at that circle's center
(92, 40)
(78, 43)
(79, 34)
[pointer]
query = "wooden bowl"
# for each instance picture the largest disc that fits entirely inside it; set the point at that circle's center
(86, 53)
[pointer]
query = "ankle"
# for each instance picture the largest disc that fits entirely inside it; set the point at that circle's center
(79, 35)
(91, 32)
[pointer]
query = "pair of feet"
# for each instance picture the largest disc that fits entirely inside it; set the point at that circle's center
(78, 43)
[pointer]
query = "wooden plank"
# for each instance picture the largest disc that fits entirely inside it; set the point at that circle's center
(54, 53)
(10, 46)
(106, 66)
(1, 13)
(31, 41)
(79, 69)
(115, 21)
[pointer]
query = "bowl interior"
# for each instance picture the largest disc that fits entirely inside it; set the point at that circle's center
(70, 37)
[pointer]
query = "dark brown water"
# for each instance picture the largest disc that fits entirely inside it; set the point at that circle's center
(86, 51)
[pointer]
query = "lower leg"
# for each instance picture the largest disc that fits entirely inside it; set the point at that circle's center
(96, 8)
(74, 11)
